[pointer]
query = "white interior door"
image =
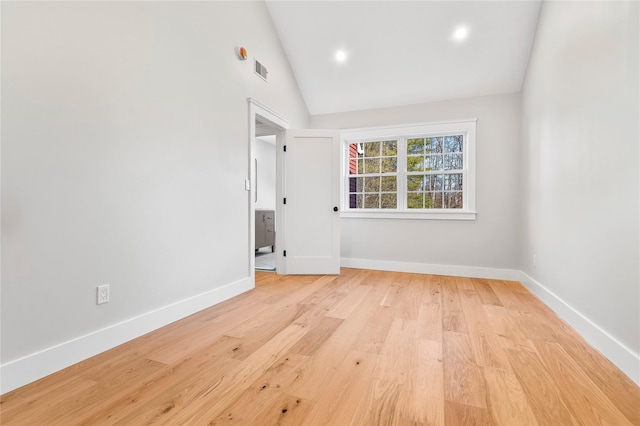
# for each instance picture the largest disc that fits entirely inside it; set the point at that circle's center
(312, 192)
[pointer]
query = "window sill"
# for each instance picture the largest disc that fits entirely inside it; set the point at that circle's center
(428, 215)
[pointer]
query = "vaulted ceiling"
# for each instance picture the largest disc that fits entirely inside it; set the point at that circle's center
(403, 52)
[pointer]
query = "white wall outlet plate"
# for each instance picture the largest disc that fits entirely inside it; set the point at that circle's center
(102, 294)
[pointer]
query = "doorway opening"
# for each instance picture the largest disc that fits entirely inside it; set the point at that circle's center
(266, 229)
(265, 197)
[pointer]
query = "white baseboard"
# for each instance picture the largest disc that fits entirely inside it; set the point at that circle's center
(426, 268)
(35, 366)
(609, 346)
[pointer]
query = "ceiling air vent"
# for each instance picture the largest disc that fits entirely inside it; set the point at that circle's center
(261, 70)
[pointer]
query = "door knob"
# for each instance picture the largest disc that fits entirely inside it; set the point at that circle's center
(335, 209)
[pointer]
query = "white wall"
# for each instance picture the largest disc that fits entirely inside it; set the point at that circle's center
(124, 155)
(581, 182)
(266, 176)
(491, 241)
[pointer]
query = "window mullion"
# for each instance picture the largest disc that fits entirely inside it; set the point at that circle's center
(465, 168)
(345, 169)
(402, 173)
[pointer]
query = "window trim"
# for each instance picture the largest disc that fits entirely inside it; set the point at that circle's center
(403, 132)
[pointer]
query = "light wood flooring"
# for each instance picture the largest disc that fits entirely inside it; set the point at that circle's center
(365, 347)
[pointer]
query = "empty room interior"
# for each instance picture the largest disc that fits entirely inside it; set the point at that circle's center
(320, 212)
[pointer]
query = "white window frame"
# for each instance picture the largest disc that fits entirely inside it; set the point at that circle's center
(401, 133)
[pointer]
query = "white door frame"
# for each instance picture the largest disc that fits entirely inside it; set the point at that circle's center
(264, 113)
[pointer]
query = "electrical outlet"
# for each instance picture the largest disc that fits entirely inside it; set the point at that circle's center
(102, 294)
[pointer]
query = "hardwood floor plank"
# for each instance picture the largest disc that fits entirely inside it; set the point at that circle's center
(422, 396)
(379, 405)
(323, 300)
(484, 341)
(463, 381)
(485, 291)
(316, 336)
(391, 296)
(214, 399)
(509, 334)
(286, 410)
(505, 398)
(110, 386)
(332, 286)
(399, 352)
(354, 278)
(432, 293)
(111, 372)
(375, 331)
(346, 306)
(364, 347)
(452, 315)
(430, 322)
(154, 399)
(34, 411)
(184, 344)
(464, 283)
(535, 328)
(254, 325)
(10, 401)
(337, 405)
(56, 383)
(539, 388)
(241, 342)
(460, 414)
(560, 329)
(583, 398)
(620, 389)
(323, 365)
(507, 292)
(407, 304)
(261, 395)
(301, 291)
(309, 285)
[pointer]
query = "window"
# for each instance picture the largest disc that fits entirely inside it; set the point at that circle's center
(435, 174)
(416, 171)
(373, 171)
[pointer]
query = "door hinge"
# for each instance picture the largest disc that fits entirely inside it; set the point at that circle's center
(285, 148)
(284, 253)
(284, 201)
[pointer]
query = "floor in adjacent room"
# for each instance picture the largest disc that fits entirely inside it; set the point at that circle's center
(366, 347)
(265, 259)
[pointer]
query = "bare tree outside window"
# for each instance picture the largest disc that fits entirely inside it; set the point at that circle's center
(430, 181)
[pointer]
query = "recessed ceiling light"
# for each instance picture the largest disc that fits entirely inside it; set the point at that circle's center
(460, 33)
(341, 56)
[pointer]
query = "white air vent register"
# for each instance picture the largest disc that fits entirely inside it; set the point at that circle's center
(260, 69)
